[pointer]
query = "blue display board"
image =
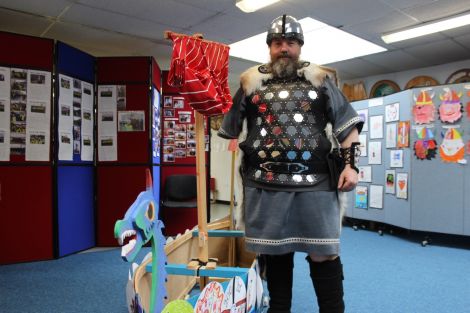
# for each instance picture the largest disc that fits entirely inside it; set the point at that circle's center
(76, 220)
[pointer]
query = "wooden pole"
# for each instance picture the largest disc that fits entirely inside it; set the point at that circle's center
(231, 243)
(203, 250)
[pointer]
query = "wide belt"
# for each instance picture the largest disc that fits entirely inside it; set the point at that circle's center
(295, 168)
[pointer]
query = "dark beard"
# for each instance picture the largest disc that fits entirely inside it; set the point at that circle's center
(284, 68)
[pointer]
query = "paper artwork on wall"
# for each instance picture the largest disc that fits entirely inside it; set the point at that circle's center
(452, 147)
(363, 144)
(365, 174)
(364, 116)
(423, 109)
(468, 147)
(376, 196)
(402, 185)
(392, 112)
(403, 135)
(390, 176)
(450, 110)
(375, 152)
(376, 127)
(425, 146)
(360, 201)
(391, 135)
(396, 158)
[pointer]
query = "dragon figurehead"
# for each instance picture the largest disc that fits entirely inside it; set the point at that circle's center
(139, 226)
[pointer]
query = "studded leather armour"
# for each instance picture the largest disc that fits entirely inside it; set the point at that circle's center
(286, 144)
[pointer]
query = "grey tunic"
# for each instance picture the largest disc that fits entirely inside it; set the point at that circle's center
(283, 219)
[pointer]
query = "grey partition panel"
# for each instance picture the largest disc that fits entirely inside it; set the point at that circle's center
(395, 211)
(466, 185)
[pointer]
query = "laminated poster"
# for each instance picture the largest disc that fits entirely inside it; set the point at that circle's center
(375, 152)
(4, 114)
(392, 112)
(365, 174)
(402, 185)
(450, 110)
(364, 115)
(425, 147)
(390, 177)
(452, 148)
(423, 109)
(391, 135)
(376, 196)
(376, 127)
(360, 201)
(403, 135)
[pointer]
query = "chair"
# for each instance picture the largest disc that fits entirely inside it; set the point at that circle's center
(179, 204)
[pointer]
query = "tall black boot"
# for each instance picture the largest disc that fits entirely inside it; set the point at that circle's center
(279, 269)
(327, 278)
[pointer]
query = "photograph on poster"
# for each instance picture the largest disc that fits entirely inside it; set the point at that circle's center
(365, 174)
(376, 196)
(107, 141)
(2, 136)
(38, 107)
(402, 185)
(87, 115)
(131, 121)
(191, 135)
(392, 112)
(37, 139)
(180, 135)
(391, 135)
(106, 92)
(167, 101)
(64, 83)
(38, 79)
(184, 117)
(87, 140)
(364, 115)
(168, 112)
(168, 157)
(180, 144)
(178, 102)
(191, 128)
(169, 124)
(168, 141)
(105, 116)
(191, 153)
(121, 97)
(76, 147)
(375, 152)
(180, 127)
(396, 158)
(180, 153)
(390, 181)
(169, 132)
(64, 110)
(168, 149)
(376, 127)
(360, 201)
(191, 144)
(65, 138)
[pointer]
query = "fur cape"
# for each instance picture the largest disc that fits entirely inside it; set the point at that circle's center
(251, 80)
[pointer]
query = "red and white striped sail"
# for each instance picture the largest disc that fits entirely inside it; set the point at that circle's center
(200, 69)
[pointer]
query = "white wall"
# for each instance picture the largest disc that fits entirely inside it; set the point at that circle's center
(221, 163)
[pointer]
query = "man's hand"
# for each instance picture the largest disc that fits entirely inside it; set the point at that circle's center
(347, 179)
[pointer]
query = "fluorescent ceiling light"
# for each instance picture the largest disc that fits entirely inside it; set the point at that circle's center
(323, 44)
(249, 6)
(426, 29)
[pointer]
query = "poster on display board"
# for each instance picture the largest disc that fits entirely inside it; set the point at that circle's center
(156, 127)
(4, 114)
(107, 125)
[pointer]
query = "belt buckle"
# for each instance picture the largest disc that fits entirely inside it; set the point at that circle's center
(297, 168)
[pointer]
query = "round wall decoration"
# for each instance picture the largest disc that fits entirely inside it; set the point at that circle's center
(460, 76)
(383, 88)
(421, 81)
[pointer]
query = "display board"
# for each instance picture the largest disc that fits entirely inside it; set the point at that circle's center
(26, 64)
(418, 173)
(74, 150)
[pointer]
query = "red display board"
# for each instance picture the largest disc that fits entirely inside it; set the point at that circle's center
(123, 69)
(26, 213)
(118, 187)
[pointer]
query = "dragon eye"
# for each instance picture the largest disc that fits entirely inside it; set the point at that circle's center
(150, 212)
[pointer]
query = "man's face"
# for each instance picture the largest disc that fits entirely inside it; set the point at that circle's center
(284, 48)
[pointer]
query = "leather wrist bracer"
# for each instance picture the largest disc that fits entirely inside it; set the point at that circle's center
(350, 154)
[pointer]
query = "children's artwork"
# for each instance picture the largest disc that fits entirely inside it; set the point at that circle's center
(210, 299)
(375, 152)
(392, 112)
(450, 110)
(376, 196)
(361, 197)
(396, 158)
(363, 144)
(468, 147)
(235, 296)
(365, 174)
(364, 115)
(391, 135)
(423, 110)
(452, 147)
(403, 135)
(402, 185)
(390, 181)
(376, 127)
(425, 146)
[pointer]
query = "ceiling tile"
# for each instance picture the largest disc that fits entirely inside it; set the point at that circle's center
(438, 9)
(16, 22)
(435, 54)
(395, 60)
(50, 8)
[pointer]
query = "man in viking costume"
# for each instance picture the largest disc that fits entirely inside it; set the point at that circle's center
(290, 193)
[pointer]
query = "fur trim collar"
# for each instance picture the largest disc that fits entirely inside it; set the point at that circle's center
(255, 76)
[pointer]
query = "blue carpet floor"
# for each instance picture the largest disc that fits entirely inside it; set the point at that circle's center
(383, 274)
